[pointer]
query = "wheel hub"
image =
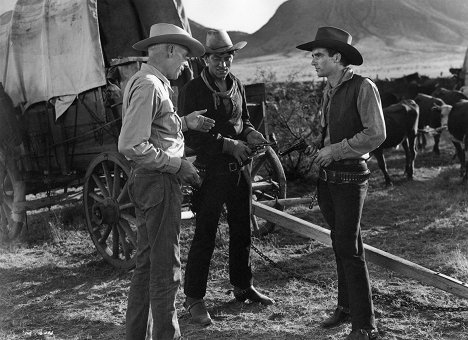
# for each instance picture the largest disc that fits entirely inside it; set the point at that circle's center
(106, 212)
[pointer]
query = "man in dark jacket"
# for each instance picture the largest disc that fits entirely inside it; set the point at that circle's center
(223, 153)
(352, 126)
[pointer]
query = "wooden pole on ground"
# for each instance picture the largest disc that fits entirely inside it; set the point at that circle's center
(374, 255)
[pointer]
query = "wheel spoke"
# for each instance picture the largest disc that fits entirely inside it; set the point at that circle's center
(126, 247)
(107, 175)
(123, 194)
(5, 213)
(129, 232)
(115, 241)
(8, 202)
(103, 239)
(101, 186)
(96, 197)
(130, 219)
(126, 206)
(116, 186)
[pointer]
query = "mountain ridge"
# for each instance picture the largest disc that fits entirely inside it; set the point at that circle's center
(395, 23)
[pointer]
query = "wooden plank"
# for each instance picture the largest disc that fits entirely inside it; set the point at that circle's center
(263, 185)
(287, 202)
(374, 255)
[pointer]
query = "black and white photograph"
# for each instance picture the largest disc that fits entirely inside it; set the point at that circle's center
(233, 169)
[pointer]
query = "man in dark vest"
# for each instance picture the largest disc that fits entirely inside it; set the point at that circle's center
(223, 153)
(352, 126)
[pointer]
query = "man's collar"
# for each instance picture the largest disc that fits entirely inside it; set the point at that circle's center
(153, 70)
(346, 74)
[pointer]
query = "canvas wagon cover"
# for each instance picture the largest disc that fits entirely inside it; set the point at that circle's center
(56, 49)
(50, 48)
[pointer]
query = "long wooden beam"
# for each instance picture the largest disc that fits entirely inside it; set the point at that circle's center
(374, 255)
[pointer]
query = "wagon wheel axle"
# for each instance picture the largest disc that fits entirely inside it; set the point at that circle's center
(106, 212)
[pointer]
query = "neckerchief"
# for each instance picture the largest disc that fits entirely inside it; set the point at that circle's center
(217, 95)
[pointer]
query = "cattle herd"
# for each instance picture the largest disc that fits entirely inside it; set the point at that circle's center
(414, 110)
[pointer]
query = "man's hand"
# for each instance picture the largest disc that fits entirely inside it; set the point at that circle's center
(195, 121)
(324, 156)
(255, 137)
(237, 148)
(188, 173)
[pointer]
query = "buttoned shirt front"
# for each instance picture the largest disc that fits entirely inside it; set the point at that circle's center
(151, 133)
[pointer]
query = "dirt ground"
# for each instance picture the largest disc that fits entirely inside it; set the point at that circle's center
(57, 287)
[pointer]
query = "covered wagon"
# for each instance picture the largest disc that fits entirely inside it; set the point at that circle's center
(63, 67)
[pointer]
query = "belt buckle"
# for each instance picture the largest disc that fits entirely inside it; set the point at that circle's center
(233, 167)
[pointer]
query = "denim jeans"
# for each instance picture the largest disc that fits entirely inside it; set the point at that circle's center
(156, 278)
(234, 189)
(341, 206)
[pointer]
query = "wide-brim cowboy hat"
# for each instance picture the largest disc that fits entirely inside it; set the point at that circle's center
(171, 34)
(218, 41)
(337, 39)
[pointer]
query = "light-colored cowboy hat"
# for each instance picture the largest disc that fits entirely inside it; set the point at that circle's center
(167, 33)
(218, 41)
(337, 39)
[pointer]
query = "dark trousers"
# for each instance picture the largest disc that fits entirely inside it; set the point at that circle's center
(341, 206)
(218, 188)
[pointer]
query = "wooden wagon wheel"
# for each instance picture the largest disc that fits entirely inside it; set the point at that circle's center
(268, 183)
(12, 199)
(110, 216)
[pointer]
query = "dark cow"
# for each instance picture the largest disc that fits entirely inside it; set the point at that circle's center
(388, 98)
(429, 121)
(456, 118)
(401, 124)
(450, 97)
(405, 87)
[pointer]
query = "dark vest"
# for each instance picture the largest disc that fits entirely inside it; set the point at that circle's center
(344, 120)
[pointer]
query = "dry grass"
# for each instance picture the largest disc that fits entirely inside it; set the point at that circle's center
(58, 288)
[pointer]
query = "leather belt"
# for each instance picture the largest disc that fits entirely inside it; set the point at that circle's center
(354, 161)
(222, 168)
(343, 177)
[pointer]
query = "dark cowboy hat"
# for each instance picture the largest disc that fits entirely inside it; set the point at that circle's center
(337, 39)
(167, 34)
(218, 41)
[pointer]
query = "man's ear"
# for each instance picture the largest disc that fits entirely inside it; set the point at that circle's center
(170, 50)
(205, 59)
(337, 57)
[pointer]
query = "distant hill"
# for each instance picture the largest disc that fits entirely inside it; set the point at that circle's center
(394, 23)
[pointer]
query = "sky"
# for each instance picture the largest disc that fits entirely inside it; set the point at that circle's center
(233, 15)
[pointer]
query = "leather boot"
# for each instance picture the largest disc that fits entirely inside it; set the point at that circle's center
(253, 295)
(339, 316)
(198, 312)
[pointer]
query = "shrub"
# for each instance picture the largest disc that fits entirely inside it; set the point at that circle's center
(293, 114)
